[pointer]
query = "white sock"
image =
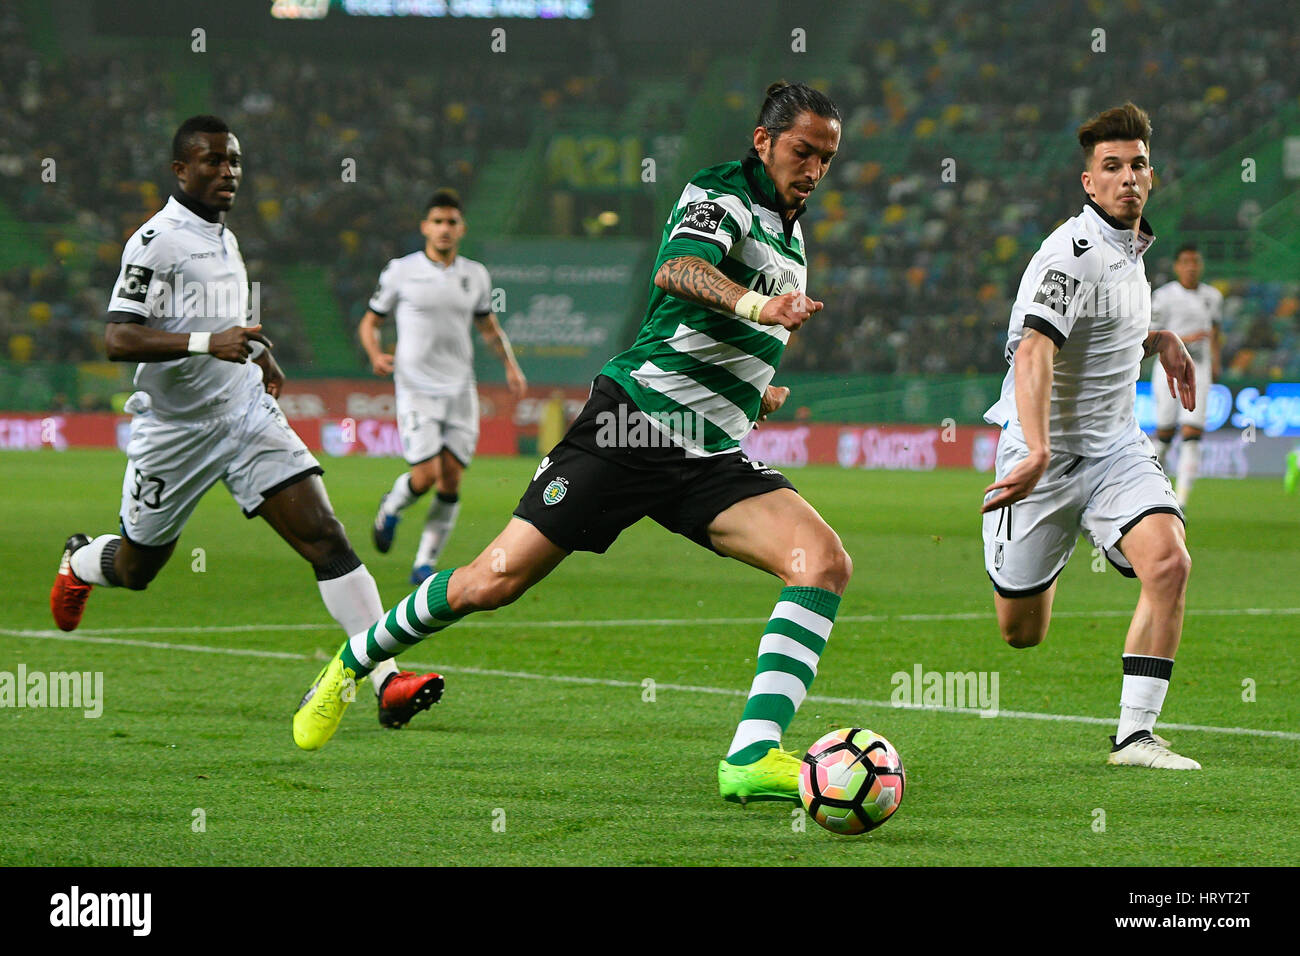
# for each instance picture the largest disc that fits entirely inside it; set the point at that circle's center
(88, 562)
(1162, 449)
(1141, 699)
(353, 600)
(437, 529)
(1189, 463)
(400, 497)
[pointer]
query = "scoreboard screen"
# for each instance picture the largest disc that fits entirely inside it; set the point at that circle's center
(457, 9)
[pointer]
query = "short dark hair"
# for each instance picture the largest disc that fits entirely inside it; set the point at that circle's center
(445, 197)
(1119, 122)
(1186, 247)
(183, 141)
(785, 101)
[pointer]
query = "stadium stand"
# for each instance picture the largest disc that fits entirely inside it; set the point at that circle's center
(917, 272)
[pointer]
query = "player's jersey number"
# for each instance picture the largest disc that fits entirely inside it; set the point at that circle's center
(148, 491)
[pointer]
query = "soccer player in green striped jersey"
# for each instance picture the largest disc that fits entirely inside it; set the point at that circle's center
(660, 438)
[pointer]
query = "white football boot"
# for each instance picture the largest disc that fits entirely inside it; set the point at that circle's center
(1143, 749)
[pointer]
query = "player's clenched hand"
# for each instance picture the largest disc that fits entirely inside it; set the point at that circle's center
(774, 397)
(1180, 370)
(235, 344)
(790, 310)
(1018, 483)
(381, 363)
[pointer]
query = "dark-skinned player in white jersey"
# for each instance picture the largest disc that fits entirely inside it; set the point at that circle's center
(203, 413)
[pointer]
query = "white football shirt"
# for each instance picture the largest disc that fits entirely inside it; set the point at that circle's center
(1085, 289)
(435, 306)
(1187, 312)
(182, 273)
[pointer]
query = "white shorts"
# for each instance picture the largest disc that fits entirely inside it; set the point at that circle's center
(171, 463)
(1027, 544)
(428, 425)
(1169, 411)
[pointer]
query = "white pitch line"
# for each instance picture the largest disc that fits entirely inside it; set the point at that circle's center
(639, 622)
(611, 682)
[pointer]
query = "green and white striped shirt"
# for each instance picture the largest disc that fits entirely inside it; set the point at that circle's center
(690, 363)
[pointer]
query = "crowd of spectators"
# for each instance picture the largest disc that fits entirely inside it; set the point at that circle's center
(918, 268)
(338, 159)
(958, 159)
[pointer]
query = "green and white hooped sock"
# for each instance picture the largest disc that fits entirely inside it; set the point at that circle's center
(792, 644)
(422, 612)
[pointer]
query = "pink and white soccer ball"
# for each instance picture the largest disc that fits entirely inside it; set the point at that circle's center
(851, 781)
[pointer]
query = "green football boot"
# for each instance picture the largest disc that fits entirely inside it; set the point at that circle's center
(324, 704)
(771, 777)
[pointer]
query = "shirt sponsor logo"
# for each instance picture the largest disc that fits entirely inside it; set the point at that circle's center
(135, 283)
(703, 216)
(787, 281)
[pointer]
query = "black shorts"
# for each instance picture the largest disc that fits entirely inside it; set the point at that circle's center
(584, 495)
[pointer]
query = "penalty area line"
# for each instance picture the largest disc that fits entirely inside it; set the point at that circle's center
(612, 682)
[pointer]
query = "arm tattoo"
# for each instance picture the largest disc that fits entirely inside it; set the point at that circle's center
(694, 279)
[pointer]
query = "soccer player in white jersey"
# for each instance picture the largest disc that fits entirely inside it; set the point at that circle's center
(1192, 310)
(436, 293)
(1071, 457)
(203, 413)
(660, 438)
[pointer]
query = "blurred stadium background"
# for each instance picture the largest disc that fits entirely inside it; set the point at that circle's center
(571, 144)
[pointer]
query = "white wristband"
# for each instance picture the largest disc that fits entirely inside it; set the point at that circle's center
(750, 305)
(199, 343)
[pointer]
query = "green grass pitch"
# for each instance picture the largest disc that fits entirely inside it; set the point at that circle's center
(545, 750)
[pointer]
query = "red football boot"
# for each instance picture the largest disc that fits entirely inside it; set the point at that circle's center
(69, 594)
(405, 694)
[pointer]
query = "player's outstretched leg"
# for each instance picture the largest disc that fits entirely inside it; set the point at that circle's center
(1156, 549)
(780, 533)
(301, 514)
(518, 558)
(108, 561)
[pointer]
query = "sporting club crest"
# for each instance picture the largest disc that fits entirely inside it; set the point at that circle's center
(554, 492)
